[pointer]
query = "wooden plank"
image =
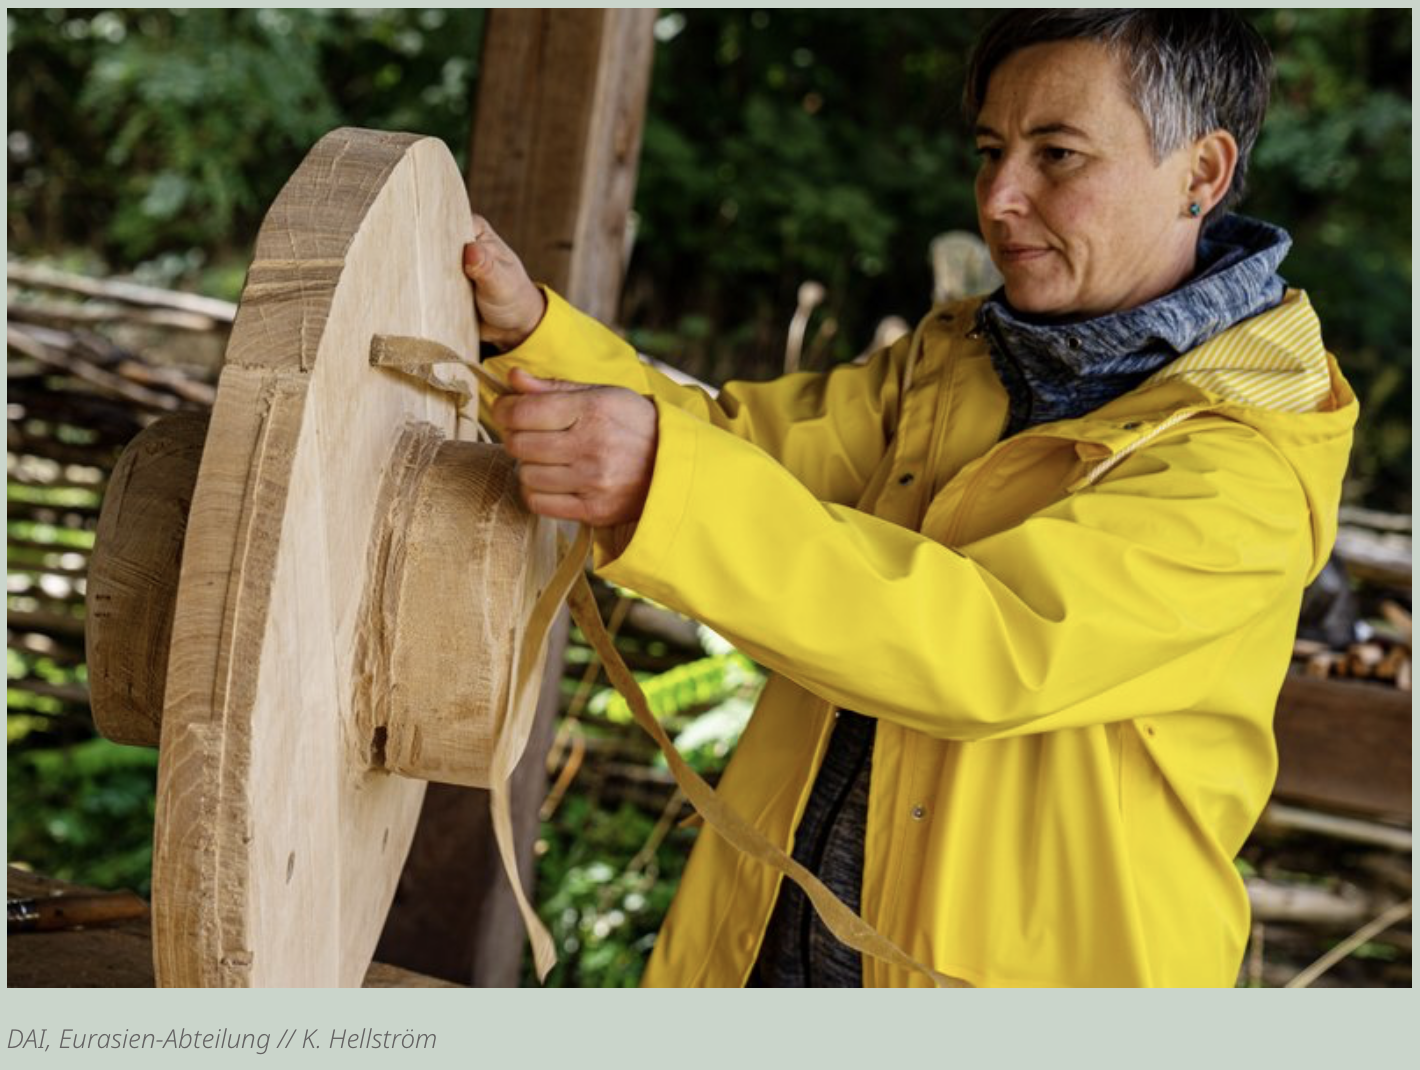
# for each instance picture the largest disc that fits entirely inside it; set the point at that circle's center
(114, 956)
(1344, 745)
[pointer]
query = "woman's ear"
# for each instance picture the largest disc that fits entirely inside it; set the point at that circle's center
(1215, 158)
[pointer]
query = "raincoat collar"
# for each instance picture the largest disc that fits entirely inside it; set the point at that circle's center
(1060, 371)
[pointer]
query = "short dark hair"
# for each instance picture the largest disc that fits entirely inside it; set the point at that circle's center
(1189, 72)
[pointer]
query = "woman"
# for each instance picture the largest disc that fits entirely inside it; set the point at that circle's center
(1029, 579)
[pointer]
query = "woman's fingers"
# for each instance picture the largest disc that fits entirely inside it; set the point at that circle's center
(541, 447)
(509, 305)
(549, 478)
(585, 452)
(560, 507)
(536, 412)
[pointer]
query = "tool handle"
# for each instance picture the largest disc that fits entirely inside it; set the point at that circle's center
(58, 912)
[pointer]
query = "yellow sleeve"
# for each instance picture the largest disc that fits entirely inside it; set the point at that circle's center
(829, 429)
(1121, 600)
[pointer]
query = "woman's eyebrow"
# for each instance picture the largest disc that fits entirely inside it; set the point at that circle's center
(1047, 129)
(1041, 130)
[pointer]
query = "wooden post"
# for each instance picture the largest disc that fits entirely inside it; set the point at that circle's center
(556, 139)
(555, 144)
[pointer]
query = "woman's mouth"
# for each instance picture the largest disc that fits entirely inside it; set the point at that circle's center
(1019, 254)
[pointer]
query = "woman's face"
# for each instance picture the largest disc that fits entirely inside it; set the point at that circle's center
(1079, 217)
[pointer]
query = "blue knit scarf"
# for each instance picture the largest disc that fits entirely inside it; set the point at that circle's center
(1060, 371)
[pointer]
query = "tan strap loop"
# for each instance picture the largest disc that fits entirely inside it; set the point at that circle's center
(841, 921)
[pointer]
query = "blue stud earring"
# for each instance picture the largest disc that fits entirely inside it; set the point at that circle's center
(1195, 210)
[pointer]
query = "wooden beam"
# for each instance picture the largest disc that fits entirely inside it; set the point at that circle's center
(1344, 745)
(556, 141)
(553, 157)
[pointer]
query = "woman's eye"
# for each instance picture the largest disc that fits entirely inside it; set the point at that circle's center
(1055, 154)
(988, 152)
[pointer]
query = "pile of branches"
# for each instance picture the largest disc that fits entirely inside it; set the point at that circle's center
(75, 398)
(1331, 890)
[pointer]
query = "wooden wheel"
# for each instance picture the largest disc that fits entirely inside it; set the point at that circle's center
(355, 582)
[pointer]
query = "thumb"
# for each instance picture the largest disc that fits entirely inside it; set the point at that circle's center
(476, 259)
(525, 382)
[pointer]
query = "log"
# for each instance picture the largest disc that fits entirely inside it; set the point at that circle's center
(1344, 746)
(62, 314)
(53, 624)
(1382, 558)
(663, 624)
(129, 293)
(25, 341)
(19, 441)
(74, 694)
(1350, 829)
(1302, 904)
(1355, 516)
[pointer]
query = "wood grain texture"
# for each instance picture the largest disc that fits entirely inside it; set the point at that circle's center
(557, 140)
(133, 576)
(277, 846)
(1344, 746)
(470, 563)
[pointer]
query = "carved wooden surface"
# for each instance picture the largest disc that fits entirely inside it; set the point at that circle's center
(133, 576)
(277, 847)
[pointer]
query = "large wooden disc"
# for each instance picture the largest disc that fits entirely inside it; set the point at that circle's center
(277, 845)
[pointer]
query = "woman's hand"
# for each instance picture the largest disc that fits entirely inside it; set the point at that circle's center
(586, 452)
(509, 305)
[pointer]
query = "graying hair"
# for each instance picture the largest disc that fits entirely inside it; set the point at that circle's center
(1188, 72)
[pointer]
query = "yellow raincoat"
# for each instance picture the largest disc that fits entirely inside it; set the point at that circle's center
(1073, 640)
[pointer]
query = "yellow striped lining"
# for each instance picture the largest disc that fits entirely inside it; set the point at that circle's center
(1272, 361)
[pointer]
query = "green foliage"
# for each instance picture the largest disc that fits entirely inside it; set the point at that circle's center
(178, 98)
(601, 894)
(83, 813)
(1333, 165)
(793, 144)
(162, 135)
(684, 687)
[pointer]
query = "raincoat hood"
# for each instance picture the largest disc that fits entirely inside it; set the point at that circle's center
(1273, 373)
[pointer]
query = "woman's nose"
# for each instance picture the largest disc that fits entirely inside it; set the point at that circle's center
(1001, 190)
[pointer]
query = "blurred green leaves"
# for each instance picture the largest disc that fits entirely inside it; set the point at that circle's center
(87, 812)
(146, 132)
